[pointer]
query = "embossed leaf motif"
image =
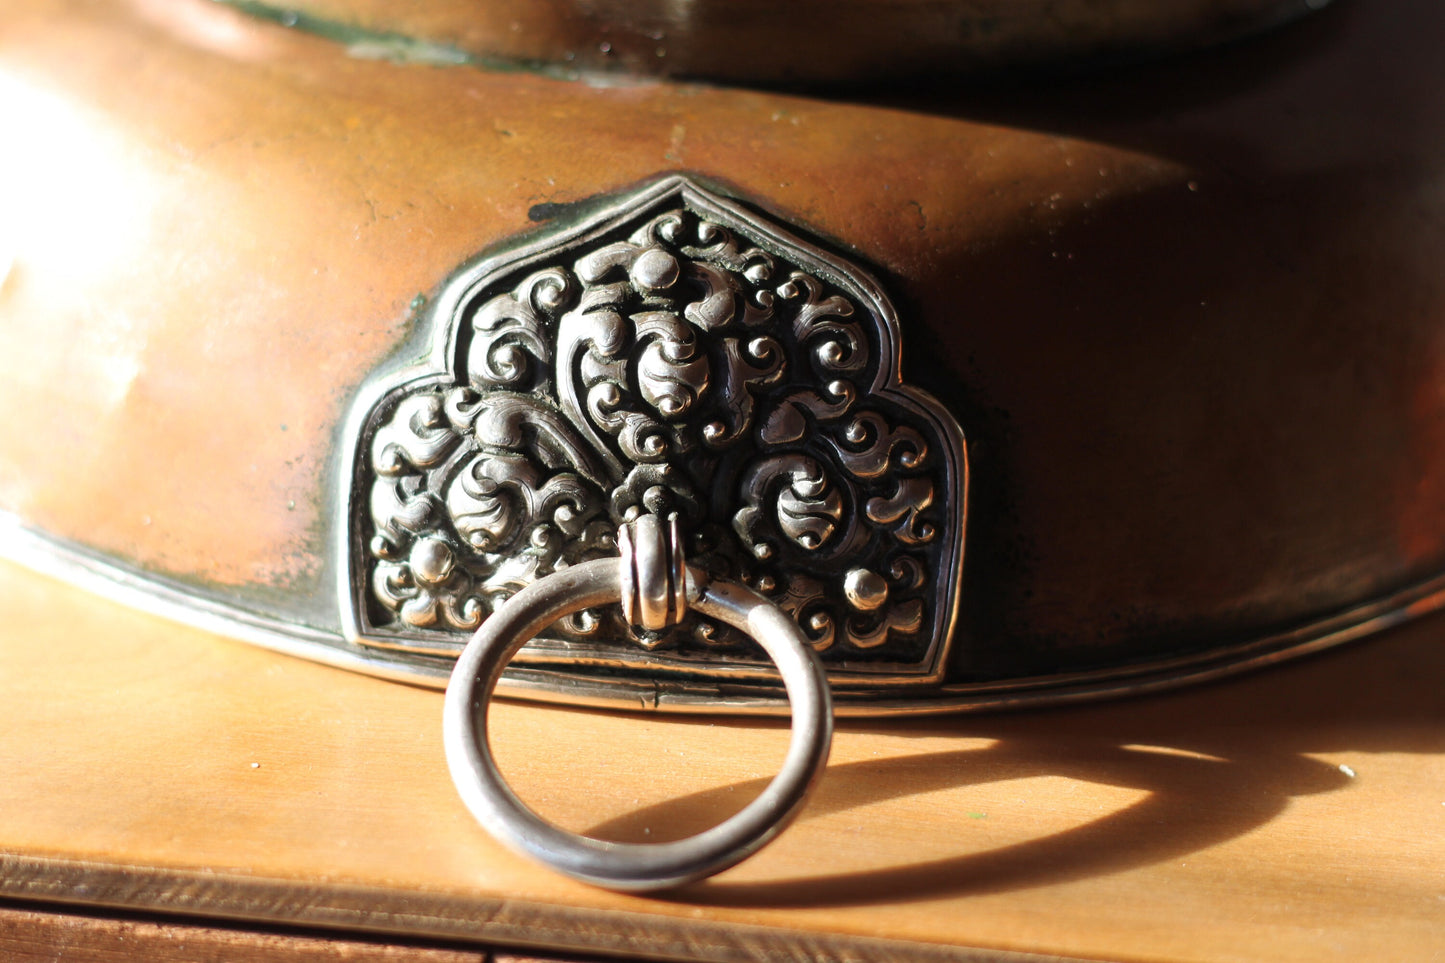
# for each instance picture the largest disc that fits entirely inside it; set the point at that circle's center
(809, 509)
(677, 362)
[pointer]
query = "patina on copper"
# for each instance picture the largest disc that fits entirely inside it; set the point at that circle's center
(849, 42)
(1189, 316)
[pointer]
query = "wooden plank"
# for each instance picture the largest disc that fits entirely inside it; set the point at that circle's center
(36, 936)
(1296, 814)
(30, 935)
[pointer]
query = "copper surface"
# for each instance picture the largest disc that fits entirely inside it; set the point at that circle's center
(1189, 316)
(843, 42)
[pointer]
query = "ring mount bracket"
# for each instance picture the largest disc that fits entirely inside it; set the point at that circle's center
(675, 354)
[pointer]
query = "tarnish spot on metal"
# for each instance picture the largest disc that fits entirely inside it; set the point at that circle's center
(364, 44)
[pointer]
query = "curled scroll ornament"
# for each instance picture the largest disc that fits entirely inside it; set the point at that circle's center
(675, 355)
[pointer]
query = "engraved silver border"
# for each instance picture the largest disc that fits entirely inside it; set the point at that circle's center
(436, 365)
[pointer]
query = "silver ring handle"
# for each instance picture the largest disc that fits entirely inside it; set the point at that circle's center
(632, 867)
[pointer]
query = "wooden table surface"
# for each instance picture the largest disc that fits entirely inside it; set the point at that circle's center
(1295, 814)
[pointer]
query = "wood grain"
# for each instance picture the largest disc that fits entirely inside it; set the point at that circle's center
(33, 936)
(1298, 814)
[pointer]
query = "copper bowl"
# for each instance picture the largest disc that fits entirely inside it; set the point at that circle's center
(1187, 315)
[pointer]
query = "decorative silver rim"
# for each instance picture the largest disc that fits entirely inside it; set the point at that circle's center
(632, 867)
(89, 571)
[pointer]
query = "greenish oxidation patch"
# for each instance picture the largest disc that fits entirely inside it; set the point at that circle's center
(405, 50)
(412, 322)
(549, 210)
(978, 815)
(367, 44)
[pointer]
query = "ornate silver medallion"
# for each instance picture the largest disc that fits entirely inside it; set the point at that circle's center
(676, 354)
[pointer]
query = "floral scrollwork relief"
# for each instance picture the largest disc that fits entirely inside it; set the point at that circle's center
(682, 358)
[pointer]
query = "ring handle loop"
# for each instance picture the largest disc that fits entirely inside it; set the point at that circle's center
(632, 867)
